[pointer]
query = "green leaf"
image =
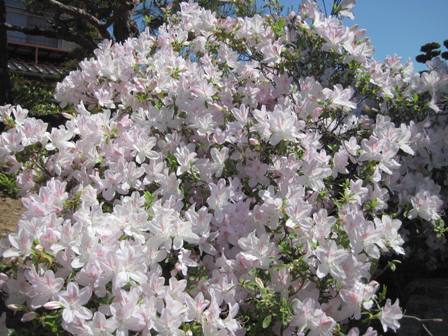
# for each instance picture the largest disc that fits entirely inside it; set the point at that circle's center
(267, 321)
(279, 27)
(259, 282)
(8, 185)
(171, 161)
(149, 199)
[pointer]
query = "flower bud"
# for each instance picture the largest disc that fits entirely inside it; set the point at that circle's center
(39, 248)
(53, 305)
(16, 307)
(254, 142)
(29, 316)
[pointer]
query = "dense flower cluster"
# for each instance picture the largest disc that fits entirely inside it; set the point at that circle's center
(225, 177)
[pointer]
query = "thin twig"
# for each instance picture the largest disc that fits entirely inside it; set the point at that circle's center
(422, 321)
(427, 330)
(437, 320)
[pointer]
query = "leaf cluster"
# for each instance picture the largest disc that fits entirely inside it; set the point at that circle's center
(431, 50)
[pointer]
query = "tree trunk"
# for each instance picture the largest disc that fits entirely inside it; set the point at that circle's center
(5, 82)
(123, 25)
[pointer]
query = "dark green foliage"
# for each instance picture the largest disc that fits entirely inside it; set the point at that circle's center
(8, 185)
(428, 47)
(35, 95)
(269, 307)
(45, 325)
(432, 50)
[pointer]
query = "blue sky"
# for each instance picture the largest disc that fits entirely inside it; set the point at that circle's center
(399, 26)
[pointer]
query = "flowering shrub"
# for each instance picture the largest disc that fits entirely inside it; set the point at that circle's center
(227, 177)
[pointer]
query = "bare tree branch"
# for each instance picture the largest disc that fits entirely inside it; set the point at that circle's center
(76, 12)
(79, 12)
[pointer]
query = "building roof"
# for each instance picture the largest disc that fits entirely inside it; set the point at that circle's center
(44, 71)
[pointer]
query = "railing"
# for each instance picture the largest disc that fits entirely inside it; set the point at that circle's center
(36, 48)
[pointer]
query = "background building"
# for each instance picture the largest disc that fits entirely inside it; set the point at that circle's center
(34, 56)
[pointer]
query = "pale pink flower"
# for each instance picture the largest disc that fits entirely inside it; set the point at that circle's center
(73, 301)
(390, 315)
